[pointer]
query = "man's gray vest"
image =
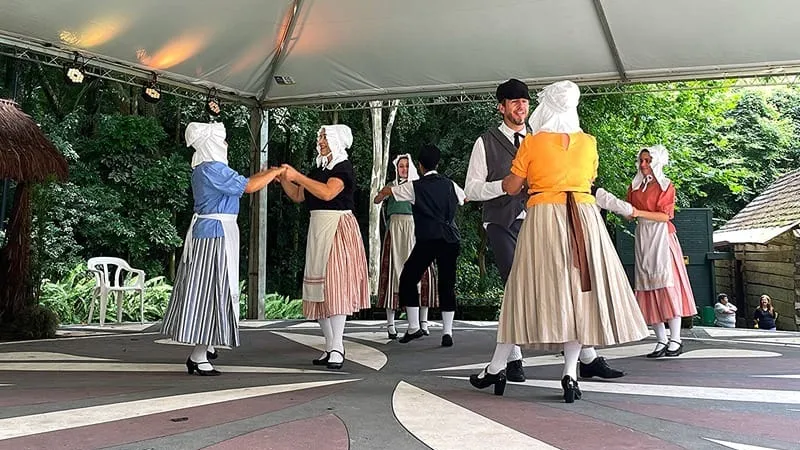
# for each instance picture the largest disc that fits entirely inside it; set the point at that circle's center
(500, 152)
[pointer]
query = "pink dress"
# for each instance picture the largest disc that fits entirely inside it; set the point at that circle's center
(662, 304)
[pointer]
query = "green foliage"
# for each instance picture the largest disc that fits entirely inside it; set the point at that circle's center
(69, 298)
(129, 189)
(279, 307)
(37, 322)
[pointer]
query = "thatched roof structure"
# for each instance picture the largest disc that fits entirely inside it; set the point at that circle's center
(26, 155)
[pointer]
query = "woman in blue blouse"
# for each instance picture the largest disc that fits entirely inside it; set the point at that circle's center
(204, 306)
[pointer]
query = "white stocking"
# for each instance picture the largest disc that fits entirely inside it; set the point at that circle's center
(572, 351)
(337, 343)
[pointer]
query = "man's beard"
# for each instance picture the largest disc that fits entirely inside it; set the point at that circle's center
(514, 120)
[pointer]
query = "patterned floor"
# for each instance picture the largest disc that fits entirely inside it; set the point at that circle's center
(125, 387)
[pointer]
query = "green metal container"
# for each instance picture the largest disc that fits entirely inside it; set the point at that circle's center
(708, 316)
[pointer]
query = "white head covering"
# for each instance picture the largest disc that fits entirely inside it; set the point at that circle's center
(660, 158)
(208, 140)
(557, 111)
(340, 138)
(413, 175)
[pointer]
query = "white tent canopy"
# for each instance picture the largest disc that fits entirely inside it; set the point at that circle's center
(344, 50)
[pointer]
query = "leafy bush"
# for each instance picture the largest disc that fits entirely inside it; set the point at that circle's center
(280, 307)
(69, 298)
(38, 322)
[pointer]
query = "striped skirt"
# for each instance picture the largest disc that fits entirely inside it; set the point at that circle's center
(200, 310)
(661, 305)
(397, 245)
(346, 281)
(543, 305)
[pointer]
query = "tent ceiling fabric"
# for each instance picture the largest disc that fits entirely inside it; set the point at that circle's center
(343, 50)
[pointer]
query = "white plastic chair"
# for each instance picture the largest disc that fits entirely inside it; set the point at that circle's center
(107, 284)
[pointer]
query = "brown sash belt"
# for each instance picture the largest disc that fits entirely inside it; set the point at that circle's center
(577, 242)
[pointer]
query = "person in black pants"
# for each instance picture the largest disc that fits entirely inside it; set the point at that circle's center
(434, 200)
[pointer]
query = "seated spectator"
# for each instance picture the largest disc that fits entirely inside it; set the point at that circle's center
(724, 312)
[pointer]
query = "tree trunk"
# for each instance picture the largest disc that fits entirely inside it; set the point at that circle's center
(381, 137)
(15, 282)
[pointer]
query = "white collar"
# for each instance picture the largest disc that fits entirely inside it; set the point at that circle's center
(506, 130)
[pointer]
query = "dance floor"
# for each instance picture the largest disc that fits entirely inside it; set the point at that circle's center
(126, 387)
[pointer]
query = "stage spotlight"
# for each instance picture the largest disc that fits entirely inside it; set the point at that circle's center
(150, 91)
(213, 105)
(73, 72)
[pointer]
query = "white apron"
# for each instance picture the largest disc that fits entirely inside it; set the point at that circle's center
(321, 231)
(231, 232)
(653, 263)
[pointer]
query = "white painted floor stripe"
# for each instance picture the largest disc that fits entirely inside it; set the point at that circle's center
(111, 327)
(257, 323)
(46, 356)
(381, 337)
(74, 338)
(443, 425)
(548, 360)
(364, 323)
(478, 324)
(674, 391)
(309, 324)
(710, 353)
(738, 332)
(737, 446)
(778, 340)
(80, 417)
(786, 377)
(137, 367)
(354, 351)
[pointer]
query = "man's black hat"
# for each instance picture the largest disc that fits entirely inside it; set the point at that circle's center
(512, 90)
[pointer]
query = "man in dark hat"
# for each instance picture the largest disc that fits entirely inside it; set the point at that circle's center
(489, 163)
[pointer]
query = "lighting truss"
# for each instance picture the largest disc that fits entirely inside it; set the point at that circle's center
(130, 77)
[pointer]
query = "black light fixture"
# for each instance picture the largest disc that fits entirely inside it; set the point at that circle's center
(213, 105)
(74, 72)
(150, 91)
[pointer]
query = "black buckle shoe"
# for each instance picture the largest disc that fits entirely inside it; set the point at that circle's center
(424, 328)
(410, 337)
(571, 390)
(389, 330)
(514, 371)
(335, 365)
(659, 352)
(482, 382)
(193, 367)
(447, 340)
(676, 352)
(321, 361)
(599, 368)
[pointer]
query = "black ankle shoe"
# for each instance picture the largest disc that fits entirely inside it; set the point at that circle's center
(321, 361)
(193, 367)
(599, 368)
(392, 336)
(488, 379)
(514, 371)
(659, 352)
(571, 390)
(676, 352)
(410, 337)
(335, 365)
(447, 340)
(424, 329)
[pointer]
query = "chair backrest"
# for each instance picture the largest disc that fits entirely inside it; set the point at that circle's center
(100, 266)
